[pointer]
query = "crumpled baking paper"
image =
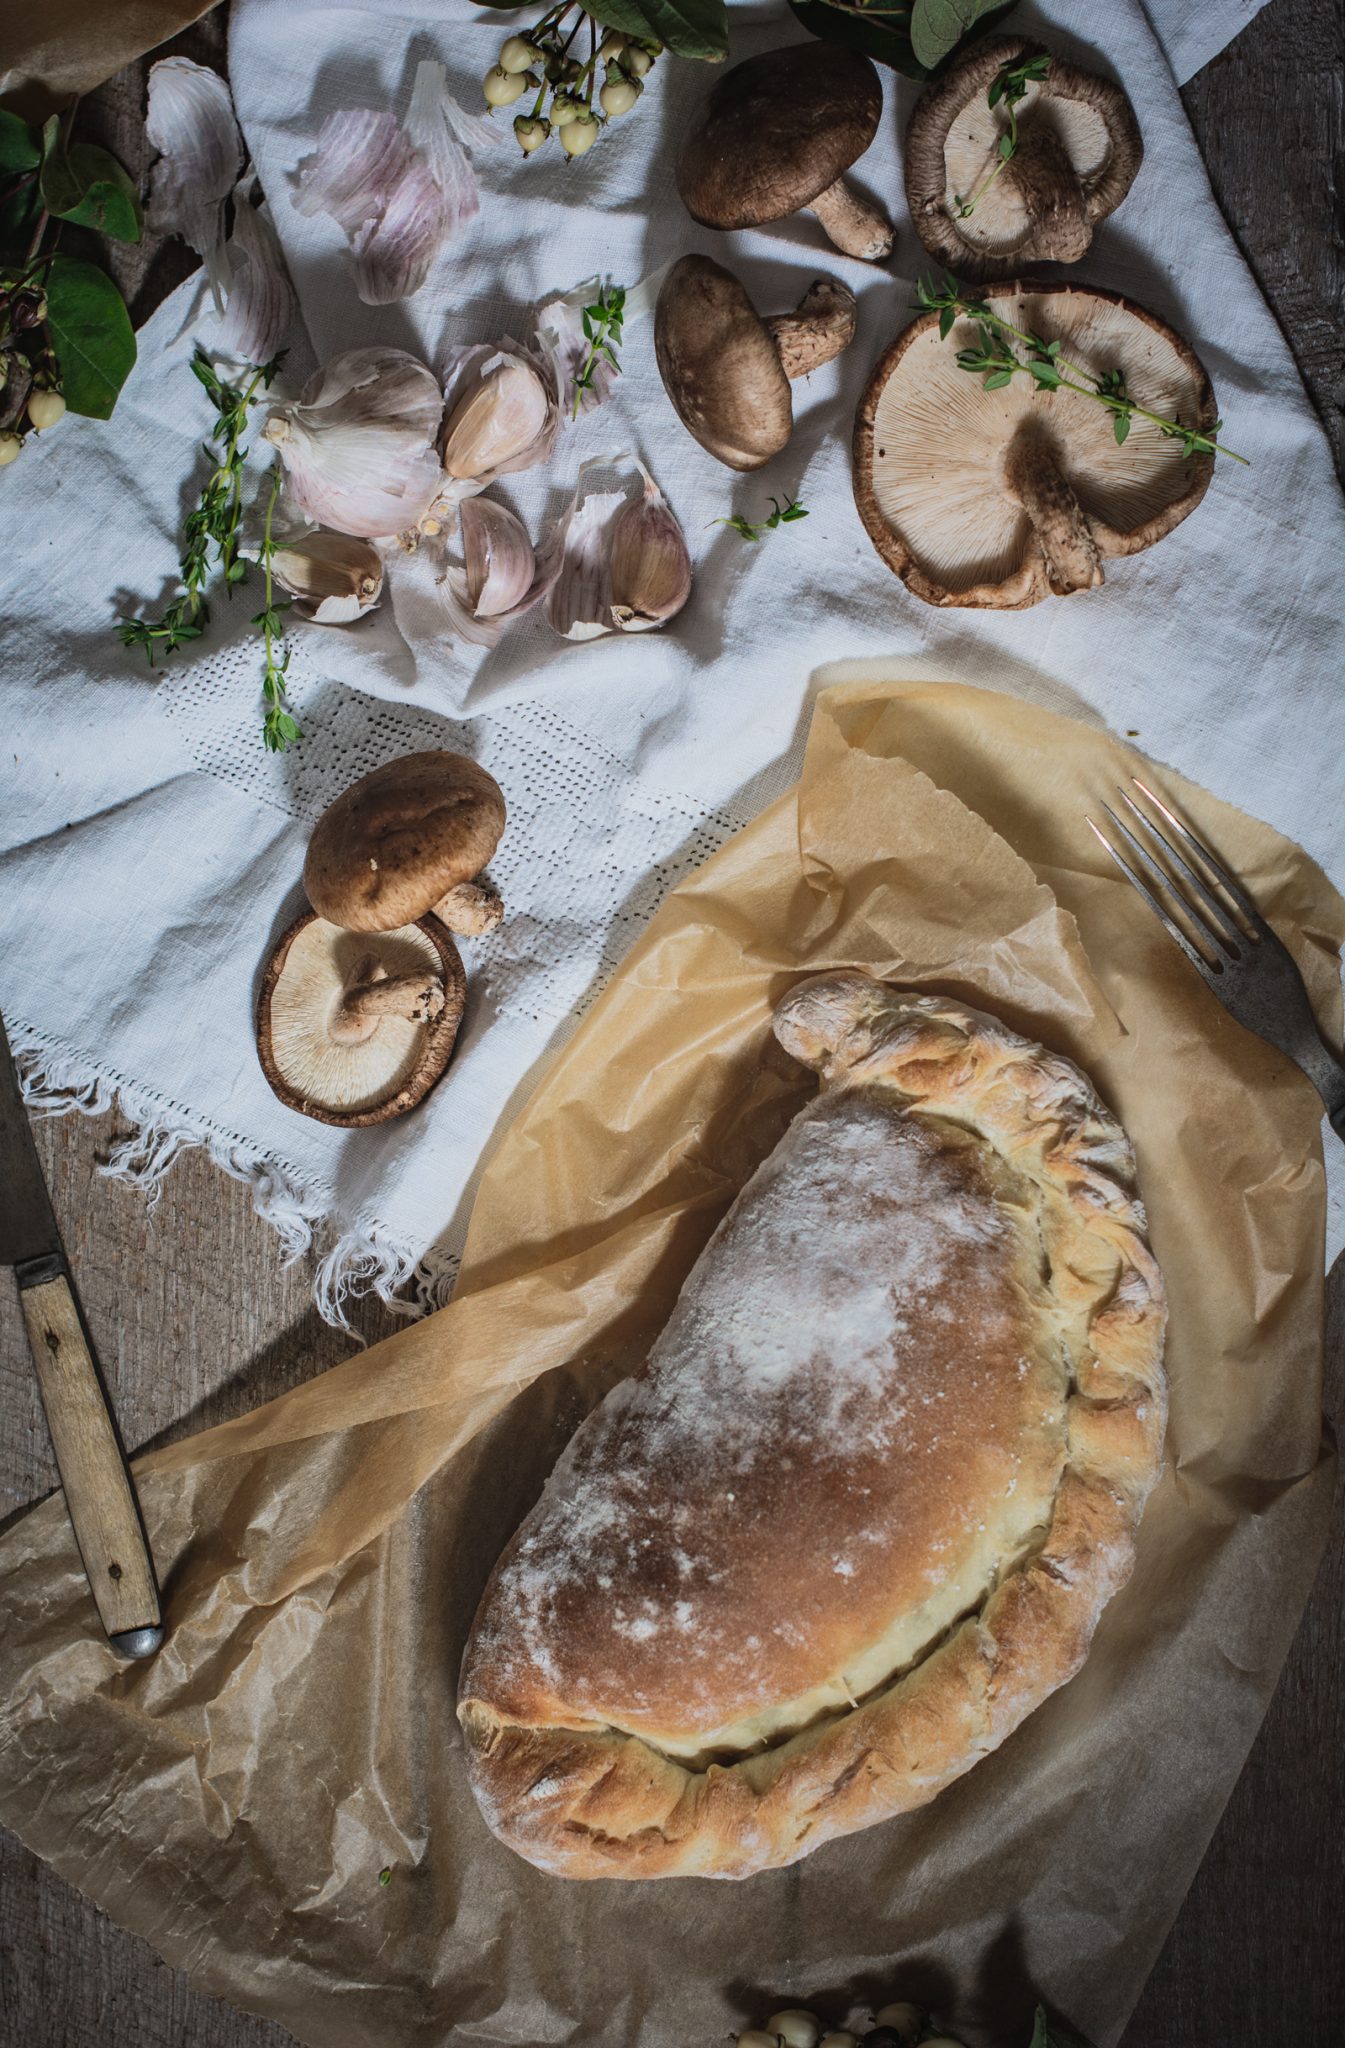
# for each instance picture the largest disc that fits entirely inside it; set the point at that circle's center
(278, 1801)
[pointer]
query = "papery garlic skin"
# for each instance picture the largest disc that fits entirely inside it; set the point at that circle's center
(332, 577)
(650, 563)
(560, 331)
(190, 120)
(261, 306)
(500, 577)
(358, 446)
(580, 604)
(399, 190)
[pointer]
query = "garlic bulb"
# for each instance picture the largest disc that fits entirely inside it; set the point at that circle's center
(400, 191)
(620, 564)
(500, 577)
(650, 561)
(332, 577)
(190, 119)
(358, 445)
(261, 303)
(501, 417)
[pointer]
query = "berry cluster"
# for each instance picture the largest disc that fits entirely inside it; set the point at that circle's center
(900, 2025)
(549, 63)
(30, 383)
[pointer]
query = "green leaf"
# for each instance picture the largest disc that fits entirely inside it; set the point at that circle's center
(998, 379)
(19, 216)
(689, 28)
(1120, 426)
(887, 41)
(88, 186)
(947, 320)
(1047, 2033)
(91, 333)
(938, 26)
(1006, 147)
(20, 145)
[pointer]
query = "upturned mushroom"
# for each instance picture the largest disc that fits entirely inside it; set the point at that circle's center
(777, 135)
(727, 371)
(408, 841)
(353, 1031)
(997, 498)
(993, 188)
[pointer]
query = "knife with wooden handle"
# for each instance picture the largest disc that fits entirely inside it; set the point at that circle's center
(94, 1474)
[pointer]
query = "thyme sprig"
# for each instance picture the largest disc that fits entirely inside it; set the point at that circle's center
(999, 362)
(279, 727)
(602, 331)
(782, 515)
(1008, 88)
(213, 528)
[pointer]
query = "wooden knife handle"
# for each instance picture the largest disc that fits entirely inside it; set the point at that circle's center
(97, 1485)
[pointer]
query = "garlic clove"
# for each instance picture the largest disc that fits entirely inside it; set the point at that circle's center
(332, 577)
(580, 604)
(650, 561)
(190, 120)
(503, 421)
(500, 577)
(498, 557)
(358, 446)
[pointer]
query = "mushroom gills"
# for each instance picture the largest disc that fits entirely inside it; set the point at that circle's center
(337, 1038)
(1041, 195)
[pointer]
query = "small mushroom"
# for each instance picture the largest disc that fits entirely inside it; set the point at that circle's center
(727, 371)
(996, 499)
(408, 841)
(354, 1031)
(777, 135)
(1078, 150)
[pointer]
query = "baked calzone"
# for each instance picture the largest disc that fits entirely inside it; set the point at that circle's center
(859, 1512)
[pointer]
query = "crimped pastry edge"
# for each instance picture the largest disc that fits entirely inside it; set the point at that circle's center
(605, 1803)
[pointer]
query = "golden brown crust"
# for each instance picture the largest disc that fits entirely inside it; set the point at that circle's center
(584, 1797)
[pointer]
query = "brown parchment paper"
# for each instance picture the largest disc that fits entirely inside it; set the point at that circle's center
(236, 1799)
(55, 50)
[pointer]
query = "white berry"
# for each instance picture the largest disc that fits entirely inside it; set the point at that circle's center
(795, 2027)
(637, 62)
(840, 2039)
(502, 88)
(756, 2037)
(579, 135)
(10, 446)
(903, 2018)
(619, 95)
(519, 54)
(45, 408)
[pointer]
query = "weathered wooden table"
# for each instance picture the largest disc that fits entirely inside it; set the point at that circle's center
(1257, 1953)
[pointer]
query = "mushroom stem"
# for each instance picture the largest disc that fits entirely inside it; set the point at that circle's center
(1059, 523)
(854, 223)
(1051, 193)
(471, 909)
(371, 994)
(821, 325)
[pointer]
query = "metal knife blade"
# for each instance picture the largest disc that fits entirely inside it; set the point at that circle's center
(27, 1220)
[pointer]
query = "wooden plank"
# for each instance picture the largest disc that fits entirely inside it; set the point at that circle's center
(194, 1319)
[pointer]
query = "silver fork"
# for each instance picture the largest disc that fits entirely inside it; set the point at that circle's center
(1227, 941)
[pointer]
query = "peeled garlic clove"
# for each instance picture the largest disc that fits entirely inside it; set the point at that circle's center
(500, 422)
(358, 446)
(650, 561)
(498, 557)
(332, 577)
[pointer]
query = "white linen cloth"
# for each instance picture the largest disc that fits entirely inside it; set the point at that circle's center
(150, 851)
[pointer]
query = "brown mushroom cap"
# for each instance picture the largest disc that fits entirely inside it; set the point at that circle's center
(997, 499)
(1079, 148)
(777, 133)
(329, 1048)
(399, 839)
(727, 371)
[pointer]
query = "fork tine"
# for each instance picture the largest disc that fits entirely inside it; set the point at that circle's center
(1173, 931)
(1224, 922)
(1221, 875)
(1221, 946)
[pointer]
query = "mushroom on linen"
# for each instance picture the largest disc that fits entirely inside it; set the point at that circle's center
(727, 371)
(989, 199)
(777, 135)
(997, 498)
(409, 841)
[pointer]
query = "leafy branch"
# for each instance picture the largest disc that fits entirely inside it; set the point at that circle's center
(999, 362)
(602, 332)
(1008, 88)
(214, 527)
(915, 37)
(782, 515)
